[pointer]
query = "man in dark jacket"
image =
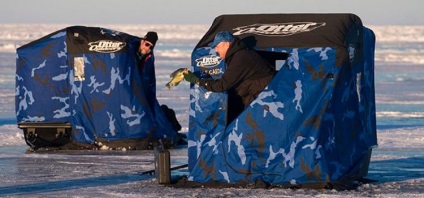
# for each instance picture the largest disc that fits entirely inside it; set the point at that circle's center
(146, 65)
(247, 73)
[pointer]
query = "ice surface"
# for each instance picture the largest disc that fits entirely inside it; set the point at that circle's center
(397, 164)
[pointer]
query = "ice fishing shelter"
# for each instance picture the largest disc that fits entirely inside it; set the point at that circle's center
(313, 125)
(83, 84)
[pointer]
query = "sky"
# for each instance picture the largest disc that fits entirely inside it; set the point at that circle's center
(372, 12)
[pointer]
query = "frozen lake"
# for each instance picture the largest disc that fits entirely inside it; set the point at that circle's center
(397, 163)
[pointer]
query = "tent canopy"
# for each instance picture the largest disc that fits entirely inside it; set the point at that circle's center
(89, 77)
(313, 124)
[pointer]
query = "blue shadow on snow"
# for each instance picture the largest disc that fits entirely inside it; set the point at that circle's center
(396, 169)
(71, 184)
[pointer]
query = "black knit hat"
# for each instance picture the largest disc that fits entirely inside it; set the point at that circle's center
(151, 37)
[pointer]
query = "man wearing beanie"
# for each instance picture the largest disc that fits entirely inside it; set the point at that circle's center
(148, 42)
(146, 68)
(146, 65)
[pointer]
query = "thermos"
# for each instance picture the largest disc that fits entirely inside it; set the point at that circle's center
(162, 166)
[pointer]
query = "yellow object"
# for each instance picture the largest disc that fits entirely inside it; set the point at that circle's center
(177, 76)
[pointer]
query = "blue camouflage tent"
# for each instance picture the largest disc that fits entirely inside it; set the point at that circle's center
(314, 124)
(86, 80)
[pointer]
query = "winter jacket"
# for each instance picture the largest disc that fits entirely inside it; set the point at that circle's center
(146, 66)
(247, 73)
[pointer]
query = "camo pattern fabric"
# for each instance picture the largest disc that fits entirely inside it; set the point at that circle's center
(87, 76)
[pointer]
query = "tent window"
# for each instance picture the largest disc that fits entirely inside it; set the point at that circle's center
(79, 74)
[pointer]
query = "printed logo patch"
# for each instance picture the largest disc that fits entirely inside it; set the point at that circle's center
(278, 29)
(106, 46)
(208, 62)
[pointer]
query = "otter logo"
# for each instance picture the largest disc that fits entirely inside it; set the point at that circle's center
(208, 61)
(278, 29)
(106, 46)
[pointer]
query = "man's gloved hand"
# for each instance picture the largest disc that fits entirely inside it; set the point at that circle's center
(190, 77)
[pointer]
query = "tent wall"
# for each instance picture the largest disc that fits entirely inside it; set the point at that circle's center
(314, 123)
(42, 72)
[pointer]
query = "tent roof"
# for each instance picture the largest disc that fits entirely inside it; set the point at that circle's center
(285, 30)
